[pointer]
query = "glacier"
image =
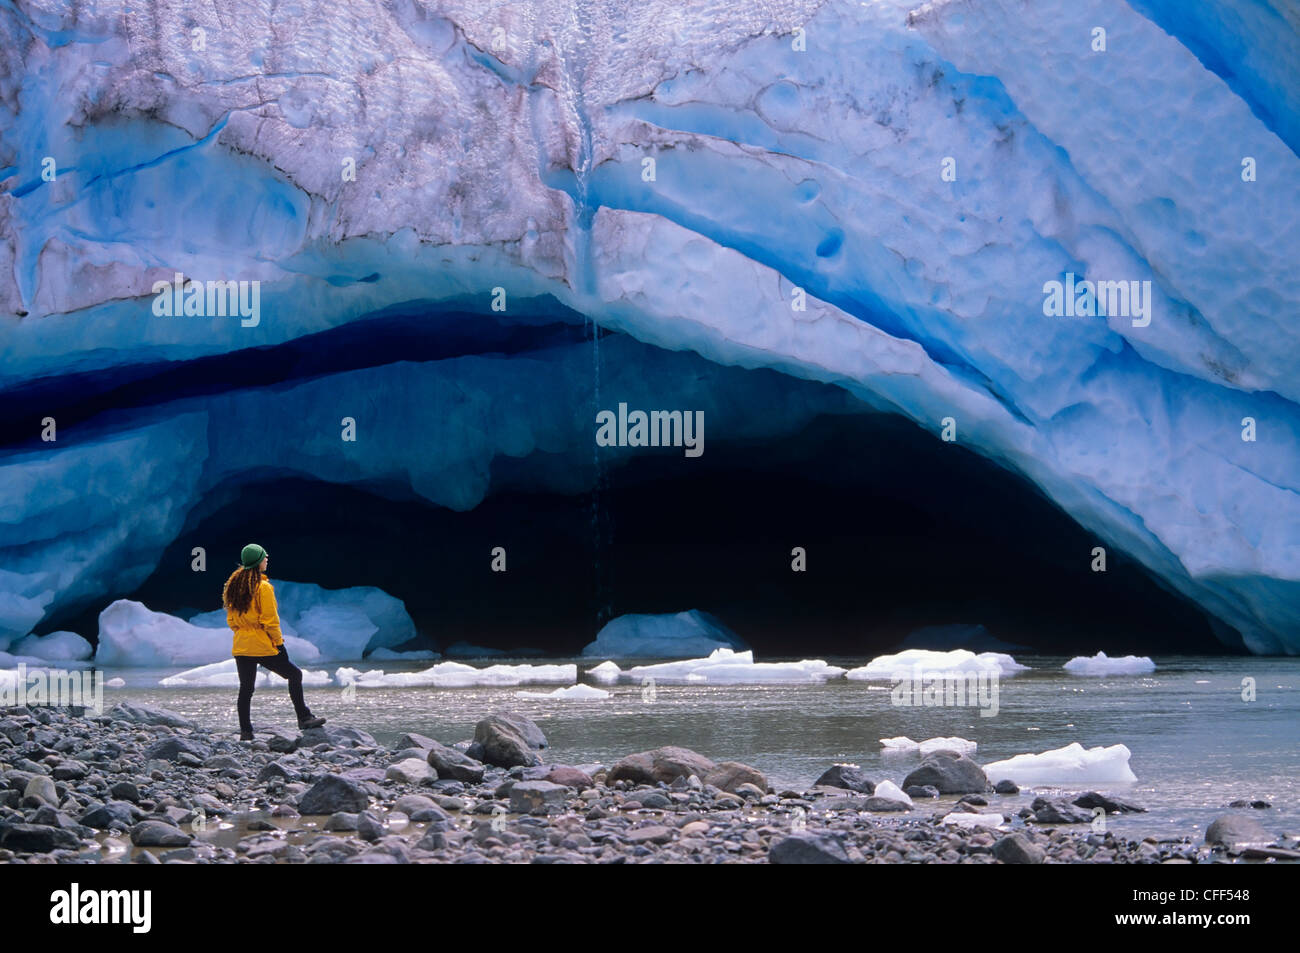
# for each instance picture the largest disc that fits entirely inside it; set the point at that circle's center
(505, 147)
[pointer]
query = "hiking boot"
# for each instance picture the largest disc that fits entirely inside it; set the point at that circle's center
(245, 736)
(310, 721)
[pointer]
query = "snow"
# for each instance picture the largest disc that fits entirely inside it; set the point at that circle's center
(1100, 664)
(923, 295)
(226, 675)
(55, 647)
(683, 635)
(572, 693)
(1071, 766)
(728, 667)
(459, 675)
(925, 663)
(905, 745)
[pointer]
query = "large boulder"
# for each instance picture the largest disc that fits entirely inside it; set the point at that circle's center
(537, 797)
(146, 715)
(950, 772)
(807, 847)
(506, 741)
(1237, 830)
(1018, 849)
(847, 776)
(333, 793)
(450, 763)
(730, 775)
(664, 764)
(172, 749)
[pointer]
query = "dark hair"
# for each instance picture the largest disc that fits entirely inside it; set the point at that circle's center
(240, 588)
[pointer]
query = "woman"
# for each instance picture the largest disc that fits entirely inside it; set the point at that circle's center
(252, 616)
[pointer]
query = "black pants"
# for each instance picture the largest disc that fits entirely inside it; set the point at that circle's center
(280, 665)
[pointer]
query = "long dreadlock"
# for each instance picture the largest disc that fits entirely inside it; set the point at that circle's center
(240, 588)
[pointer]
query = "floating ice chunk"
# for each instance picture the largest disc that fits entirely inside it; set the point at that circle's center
(606, 673)
(892, 792)
(1068, 766)
(728, 667)
(55, 647)
(572, 693)
(225, 674)
(459, 675)
(905, 745)
(963, 819)
(130, 634)
(1100, 664)
(682, 635)
(927, 663)
(115, 683)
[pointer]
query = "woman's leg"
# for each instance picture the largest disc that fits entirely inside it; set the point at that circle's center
(281, 665)
(247, 668)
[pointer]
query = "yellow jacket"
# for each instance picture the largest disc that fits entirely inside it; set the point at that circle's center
(257, 631)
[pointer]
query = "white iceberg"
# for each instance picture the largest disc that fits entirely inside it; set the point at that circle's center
(572, 693)
(905, 745)
(892, 792)
(607, 673)
(1071, 766)
(55, 647)
(926, 663)
(1100, 664)
(681, 635)
(728, 667)
(226, 675)
(966, 819)
(460, 675)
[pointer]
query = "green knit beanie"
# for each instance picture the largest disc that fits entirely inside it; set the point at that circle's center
(251, 555)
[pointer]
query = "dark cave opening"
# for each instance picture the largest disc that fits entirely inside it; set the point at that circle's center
(900, 530)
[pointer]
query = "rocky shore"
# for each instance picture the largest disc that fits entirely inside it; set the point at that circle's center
(143, 785)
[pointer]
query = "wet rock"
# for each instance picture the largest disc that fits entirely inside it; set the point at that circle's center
(1237, 830)
(569, 776)
(334, 793)
(146, 715)
(158, 834)
(806, 847)
(1058, 812)
(664, 764)
(176, 749)
(730, 775)
(1108, 804)
(410, 771)
(950, 772)
(37, 838)
(1006, 787)
(847, 776)
(503, 741)
(538, 797)
(337, 736)
(1018, 849)
(921, 791)
(451, 764)
(112, 815)
(40, 790)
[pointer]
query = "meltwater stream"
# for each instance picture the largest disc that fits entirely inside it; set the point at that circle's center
(1196, 744)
